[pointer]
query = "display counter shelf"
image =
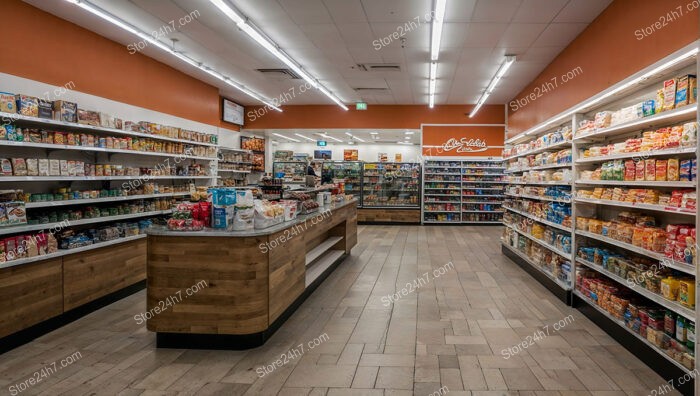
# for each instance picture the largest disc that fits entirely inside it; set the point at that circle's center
(638, 154)
(640, 206)
(256, 279)
(539, 220)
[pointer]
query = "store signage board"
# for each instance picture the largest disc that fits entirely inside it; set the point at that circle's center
(462, 140)
(321, 143)
(360, 106)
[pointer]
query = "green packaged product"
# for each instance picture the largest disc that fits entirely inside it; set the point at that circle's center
(690, 335)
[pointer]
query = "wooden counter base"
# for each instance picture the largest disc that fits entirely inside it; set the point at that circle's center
(388, 216)
(254, 283)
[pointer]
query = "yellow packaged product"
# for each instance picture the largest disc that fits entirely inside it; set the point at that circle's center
(686, 292)
(672, 172)
(669, 288)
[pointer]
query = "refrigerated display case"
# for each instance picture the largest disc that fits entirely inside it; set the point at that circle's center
(349, 173)
(291, 172)
(391, 185)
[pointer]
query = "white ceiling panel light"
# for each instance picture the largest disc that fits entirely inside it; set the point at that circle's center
(436, 35)
(354, 137)
(287, 137)
(507, 63)
(97, 11)
(330, 137)
(261, 38)
(305, 137)
(438, 17)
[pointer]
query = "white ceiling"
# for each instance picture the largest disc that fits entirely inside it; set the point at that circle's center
(370, 136)
(330, 37)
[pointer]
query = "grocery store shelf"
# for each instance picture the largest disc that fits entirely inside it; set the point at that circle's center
(549, 199)
(661, 119)
(317, 270)
(549, 183)
(685, 184)
(540, 242)
(483, 188)
(640, 154)
(100, 149)
(539, 220)
(27, 120)
(621, 324)
(482, 202)
(683, 267)
(441, 222)
(143, 178)
(535, 266)
(656, 208)
(482, 195)
(482, 211)
(442, 188)
(483, 167)
(483, 182)
(440, 211)
(540, 167)
(624, 245)
(441, 195)
(657, 298)
(443, 174)
(560, 145)
(444, 181)
(233, 171)
(70, 223)
(481, 222)
(222, 148)
(50, 204)
(65, 252)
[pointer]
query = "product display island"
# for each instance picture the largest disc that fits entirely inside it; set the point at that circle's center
(254, 279)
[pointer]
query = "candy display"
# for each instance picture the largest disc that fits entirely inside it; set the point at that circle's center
(660, 327)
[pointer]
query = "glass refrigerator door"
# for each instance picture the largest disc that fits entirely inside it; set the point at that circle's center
(347, 172)
(391, 185)
(290, 172)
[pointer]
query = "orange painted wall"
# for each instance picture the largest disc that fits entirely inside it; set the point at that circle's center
(607, 51)
(42, 47)
(376, 116)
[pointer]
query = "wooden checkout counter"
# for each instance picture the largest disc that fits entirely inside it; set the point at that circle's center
(256, 279)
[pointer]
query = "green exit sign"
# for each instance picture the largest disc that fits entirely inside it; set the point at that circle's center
(321, 143)
(360, 106)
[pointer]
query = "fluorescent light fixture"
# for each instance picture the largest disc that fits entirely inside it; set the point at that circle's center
(404, 143)
(330, 137)
(433, 82)
(409, 132)
(431, 104)
(436, 36)
(95, 10)
(407, 138)
(354, 137)
(492, 85)
(287, 137)
(305, 137)
(261, 38)
(374, 133)
(693, 52)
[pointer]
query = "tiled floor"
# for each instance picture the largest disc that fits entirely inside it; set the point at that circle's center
(445, 337)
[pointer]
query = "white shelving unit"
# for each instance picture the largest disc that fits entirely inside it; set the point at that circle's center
(452, 188)
(48, 186)
(233, 166)
(640, 87)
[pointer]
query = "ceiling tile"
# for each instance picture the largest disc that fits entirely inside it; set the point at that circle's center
(398, 11)
(521, 34)
(559, 34)
(500, 11)
(582, 11)
(306, 11)
(348, 11)
(538, 11)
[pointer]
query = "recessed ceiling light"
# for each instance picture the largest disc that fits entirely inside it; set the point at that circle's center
(287, 137)
(305, 137)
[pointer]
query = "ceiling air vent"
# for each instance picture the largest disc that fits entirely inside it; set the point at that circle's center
(379, 67)
(280, 74)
